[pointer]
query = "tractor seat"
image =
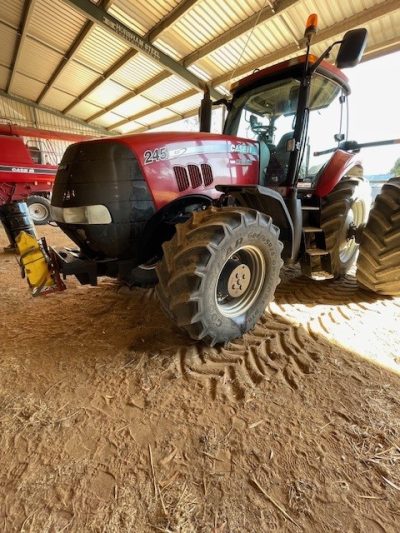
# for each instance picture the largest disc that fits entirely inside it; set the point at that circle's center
(281, 153)
(265, 155)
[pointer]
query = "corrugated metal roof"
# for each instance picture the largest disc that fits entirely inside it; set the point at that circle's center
(27, 87)
(11, 12)
(135, 105)
(240, 47)
(85, 109)
(206, 20)
(166, 89)
(37, 60)
(8, 42)
(107, 93)
(107, 119)
(137, 71)
(161, 114)
(129, 127)
(82, 77)
(101, 50)
(54, 23)
(57, 99)
(187, 105)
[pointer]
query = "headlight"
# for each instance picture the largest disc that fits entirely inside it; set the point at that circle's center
(89, 214)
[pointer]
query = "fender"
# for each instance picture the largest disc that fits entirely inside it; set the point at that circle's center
(271, 203)
(338, 166)
(161, 226)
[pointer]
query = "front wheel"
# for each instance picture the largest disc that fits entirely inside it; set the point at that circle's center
(219, 272)
(39, 210)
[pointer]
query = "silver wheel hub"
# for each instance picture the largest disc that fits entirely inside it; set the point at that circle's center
(355, 218)
(239, 280)
(38, 211)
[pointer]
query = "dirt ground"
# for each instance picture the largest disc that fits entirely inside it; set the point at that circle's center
(112, 420)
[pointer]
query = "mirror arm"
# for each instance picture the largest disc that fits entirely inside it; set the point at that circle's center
(223, 101)
(315, 65)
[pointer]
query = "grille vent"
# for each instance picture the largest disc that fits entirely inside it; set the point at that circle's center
(197, 177)
(208, 177)
(181, 177)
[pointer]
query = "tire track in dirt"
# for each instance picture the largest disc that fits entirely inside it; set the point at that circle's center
(274, 351)
(286, 343)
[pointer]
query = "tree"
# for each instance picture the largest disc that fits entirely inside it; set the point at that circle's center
(396, 169)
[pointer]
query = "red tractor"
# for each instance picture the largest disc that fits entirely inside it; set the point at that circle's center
(26, 171)
(210, 219)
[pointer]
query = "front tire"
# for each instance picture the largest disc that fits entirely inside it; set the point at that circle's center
(378, 267)
(344, 211)
(39, 209)
(219, 272)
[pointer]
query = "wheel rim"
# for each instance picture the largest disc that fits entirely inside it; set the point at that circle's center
(355, 217)
(240, 281)
(38, 212)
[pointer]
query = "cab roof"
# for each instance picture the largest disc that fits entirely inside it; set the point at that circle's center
(286, 69)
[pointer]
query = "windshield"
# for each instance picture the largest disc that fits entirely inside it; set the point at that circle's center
(265, 111)
(326, 120)
(267, 114)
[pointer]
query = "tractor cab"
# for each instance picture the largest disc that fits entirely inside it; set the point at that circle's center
(265, 108)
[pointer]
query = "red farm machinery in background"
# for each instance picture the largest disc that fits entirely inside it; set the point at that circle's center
(28, 166)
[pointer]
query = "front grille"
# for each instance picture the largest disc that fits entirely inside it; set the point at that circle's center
(181, 177)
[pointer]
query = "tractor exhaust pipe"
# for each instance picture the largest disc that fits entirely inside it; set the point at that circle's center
(205, 111)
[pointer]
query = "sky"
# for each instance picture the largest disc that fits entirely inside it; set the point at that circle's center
(375, 110)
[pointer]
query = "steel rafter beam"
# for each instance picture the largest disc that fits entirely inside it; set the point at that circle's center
(267, 13)
(380, 10)
(383, 48)
(45, 109)
(137, 42)
(23, 31)
(72, 51)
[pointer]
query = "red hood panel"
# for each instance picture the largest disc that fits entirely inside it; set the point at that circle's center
(205, 160)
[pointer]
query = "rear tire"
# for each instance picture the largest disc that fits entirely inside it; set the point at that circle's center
(347, 205)
(378, 266)
(39, 209)
(219, 272)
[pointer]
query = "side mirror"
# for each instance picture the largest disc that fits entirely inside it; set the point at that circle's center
(352, 48)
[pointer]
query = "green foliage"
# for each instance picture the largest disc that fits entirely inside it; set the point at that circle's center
(396, 169)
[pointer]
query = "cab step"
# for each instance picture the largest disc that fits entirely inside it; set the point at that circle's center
(312, 229)
(320, 275)
(316, 251)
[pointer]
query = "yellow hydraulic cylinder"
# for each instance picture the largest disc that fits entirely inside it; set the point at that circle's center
(34, 263)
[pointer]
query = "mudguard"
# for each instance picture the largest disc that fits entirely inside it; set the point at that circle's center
(271, 203)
